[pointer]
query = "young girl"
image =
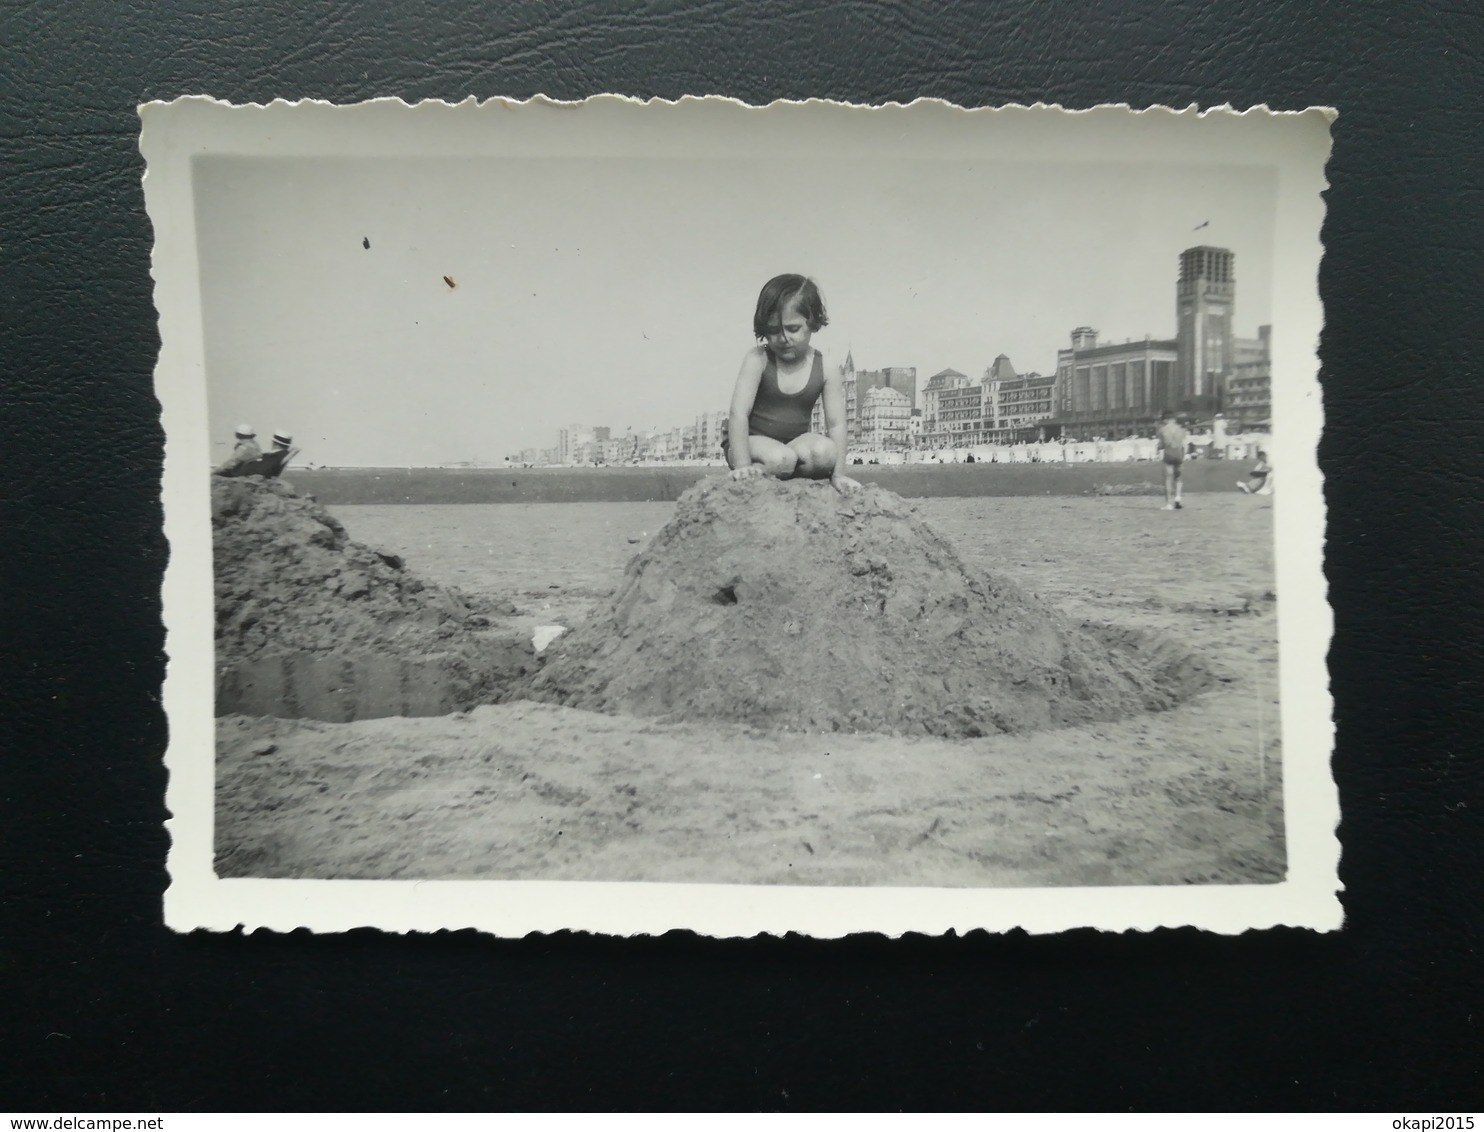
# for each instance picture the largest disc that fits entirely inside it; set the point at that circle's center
(781, 378)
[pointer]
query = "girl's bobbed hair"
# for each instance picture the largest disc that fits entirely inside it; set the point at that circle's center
(777, 293)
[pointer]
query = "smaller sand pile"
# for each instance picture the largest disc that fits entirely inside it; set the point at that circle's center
(310, 623)
(789, 605)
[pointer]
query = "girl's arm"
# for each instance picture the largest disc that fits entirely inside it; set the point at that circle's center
(834, 423)
(744, 393)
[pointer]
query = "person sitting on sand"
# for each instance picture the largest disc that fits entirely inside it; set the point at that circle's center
(245, 452)
(780, 380)
(1257, 479)
(280, 454)
(1172, 440)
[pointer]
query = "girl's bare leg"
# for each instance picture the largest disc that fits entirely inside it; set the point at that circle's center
(773, 458)
(815, 456)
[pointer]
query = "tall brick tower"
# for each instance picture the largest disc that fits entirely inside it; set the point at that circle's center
(1204, 301)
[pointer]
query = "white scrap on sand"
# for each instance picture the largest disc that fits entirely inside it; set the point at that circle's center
(545, 634)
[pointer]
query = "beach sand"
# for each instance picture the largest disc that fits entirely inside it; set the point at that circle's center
(524, 790)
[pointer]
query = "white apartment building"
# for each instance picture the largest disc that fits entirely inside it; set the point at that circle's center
(886, 419)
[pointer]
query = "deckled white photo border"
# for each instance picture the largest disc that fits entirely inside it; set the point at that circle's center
(1297, 144)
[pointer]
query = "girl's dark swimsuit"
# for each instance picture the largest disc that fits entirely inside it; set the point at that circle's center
(784, 416)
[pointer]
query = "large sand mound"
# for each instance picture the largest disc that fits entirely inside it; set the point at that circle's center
(788, 605)
(311, 623)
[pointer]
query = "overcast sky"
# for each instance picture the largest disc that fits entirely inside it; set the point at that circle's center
(620, 293)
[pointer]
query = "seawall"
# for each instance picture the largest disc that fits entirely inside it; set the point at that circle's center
(334, 486)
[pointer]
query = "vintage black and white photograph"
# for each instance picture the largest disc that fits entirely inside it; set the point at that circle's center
(810, 517)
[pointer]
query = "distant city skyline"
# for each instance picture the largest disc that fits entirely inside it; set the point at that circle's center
(620, 291)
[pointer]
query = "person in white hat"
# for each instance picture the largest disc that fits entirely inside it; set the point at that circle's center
(281, 453)
(245, 451)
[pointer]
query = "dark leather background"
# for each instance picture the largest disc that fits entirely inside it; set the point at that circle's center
(105, 1009)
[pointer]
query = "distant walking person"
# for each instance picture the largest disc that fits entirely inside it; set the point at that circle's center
(245, 452)
(1259, 478)
(1172, 440)
(780, 380)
